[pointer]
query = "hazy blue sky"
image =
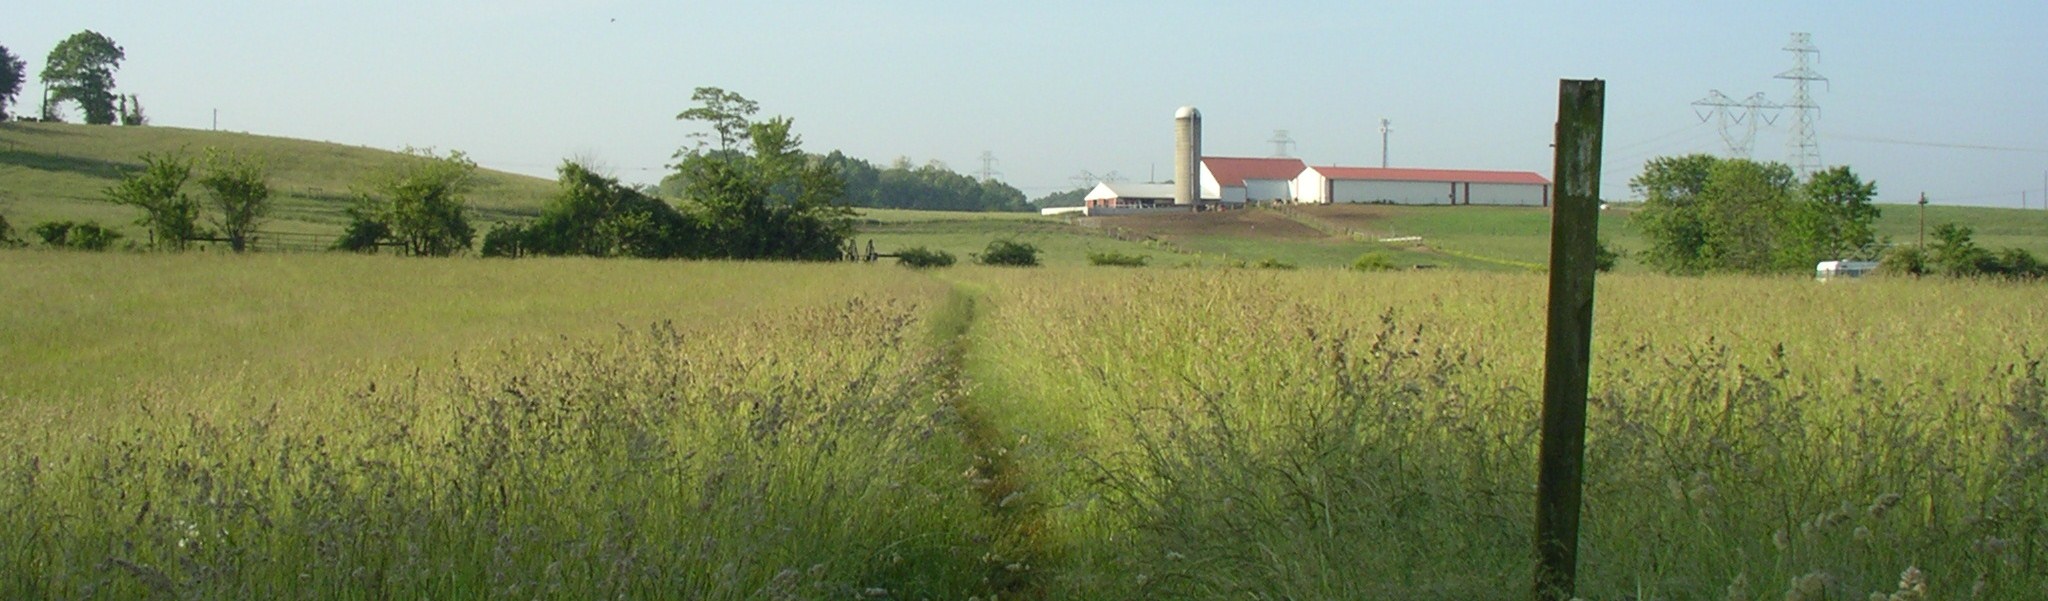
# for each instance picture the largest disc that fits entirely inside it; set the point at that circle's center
(1950, 98)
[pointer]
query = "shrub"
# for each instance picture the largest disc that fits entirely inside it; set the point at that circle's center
(508, 240)
(1009, 253)
(921, 257)
(81, 236)
(1903, 260)
(1373, 261)
(7, 239)
(1116, 259)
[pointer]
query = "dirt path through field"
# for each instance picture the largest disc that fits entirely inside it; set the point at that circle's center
(1016, 556)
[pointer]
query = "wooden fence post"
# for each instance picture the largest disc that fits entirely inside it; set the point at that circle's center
(1574, 238)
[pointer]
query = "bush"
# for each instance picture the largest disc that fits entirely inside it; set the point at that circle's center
(1116, 259)
(921, 257)
(1903, 260)
(1275, 264)
(80, 236)
(1009, 253)
(508, 240)
(7, 239)
(1374, 261)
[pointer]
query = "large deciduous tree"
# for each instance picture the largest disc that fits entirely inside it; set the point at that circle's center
(241, 193)
(171, 216)
(81, 69)
(1702, 213)
(12, 73)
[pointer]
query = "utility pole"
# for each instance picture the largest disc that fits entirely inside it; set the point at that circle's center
(1385, 128)
(1923, 220)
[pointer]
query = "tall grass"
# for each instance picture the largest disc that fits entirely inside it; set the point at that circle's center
(1325, 435)
(793, 446)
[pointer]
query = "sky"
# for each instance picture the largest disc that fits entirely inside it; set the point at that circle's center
(1945, 98)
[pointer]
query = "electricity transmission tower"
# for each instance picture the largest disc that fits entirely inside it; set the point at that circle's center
(1280, 143)
(1738, 119)
(988, 166)
(1088, 179)
(1805, 141)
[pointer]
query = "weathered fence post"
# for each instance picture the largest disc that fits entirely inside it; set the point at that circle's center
(1574, 238)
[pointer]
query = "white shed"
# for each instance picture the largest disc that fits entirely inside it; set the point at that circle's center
(1421, 186)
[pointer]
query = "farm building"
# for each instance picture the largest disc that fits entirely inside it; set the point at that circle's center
(1237, 180)
(1119, 195)
(1327, 185)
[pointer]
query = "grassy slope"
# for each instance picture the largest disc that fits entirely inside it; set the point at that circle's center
(58, 172)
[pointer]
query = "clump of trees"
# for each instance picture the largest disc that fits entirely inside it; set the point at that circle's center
(238, 186)
(1069, 198)
(417, 205)
(932, 187)
(748, 192)
(1708, 214)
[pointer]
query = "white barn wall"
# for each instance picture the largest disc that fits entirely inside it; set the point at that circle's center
(1266, 189)
(1407, 193)
(1309, 187)
(1508, 194)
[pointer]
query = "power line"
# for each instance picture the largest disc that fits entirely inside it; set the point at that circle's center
(1925, 144)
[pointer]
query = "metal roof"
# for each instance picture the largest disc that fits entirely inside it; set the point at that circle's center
(1461, 176)
(1232, 171)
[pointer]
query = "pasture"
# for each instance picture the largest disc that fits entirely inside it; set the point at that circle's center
(203, 426)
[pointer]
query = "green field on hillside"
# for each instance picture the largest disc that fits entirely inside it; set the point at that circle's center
(55, 171)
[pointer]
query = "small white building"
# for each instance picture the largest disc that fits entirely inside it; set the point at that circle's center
(1234, 180)
(1326, 185)
(1126, 199)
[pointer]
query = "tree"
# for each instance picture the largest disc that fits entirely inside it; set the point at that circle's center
(417, 204)
(170, 215)
(1955, 253)
(81, 69)
(241, 192)
(1834, 219)
(728, 114)
(13, 71)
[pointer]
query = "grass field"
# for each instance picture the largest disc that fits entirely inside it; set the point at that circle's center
(204, 426)
(55, 171)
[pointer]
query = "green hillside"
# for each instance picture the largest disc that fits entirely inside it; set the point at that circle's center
(56, 171)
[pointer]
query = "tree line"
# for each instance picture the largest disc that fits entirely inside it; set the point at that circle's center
(79, 70)
(1706, 214)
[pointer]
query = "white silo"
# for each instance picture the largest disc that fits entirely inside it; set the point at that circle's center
(1187, 156)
